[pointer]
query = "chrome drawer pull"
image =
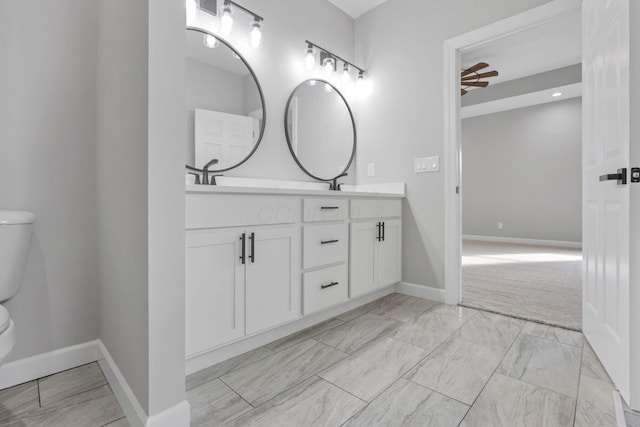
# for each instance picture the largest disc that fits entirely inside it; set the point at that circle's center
(324, 208)
(326, 242)
(328, 285)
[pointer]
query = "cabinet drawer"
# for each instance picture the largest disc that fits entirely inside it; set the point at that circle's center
(324, 288)
(316, 210)
(324, 244)
(371, 208)
(214, 211)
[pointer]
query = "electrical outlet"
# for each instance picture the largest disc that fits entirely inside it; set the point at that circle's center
(426, 164)
(500, 226)
(371, 169)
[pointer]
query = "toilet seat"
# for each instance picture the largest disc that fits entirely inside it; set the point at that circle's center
(4, 319)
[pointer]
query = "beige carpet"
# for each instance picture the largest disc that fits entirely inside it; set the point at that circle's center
(537, 283)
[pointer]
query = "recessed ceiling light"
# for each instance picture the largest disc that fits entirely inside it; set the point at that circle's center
(557, 94)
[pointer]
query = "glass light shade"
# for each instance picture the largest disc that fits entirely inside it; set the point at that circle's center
(328, 67)
(256, 34)
(310, 59)
(346, 75)
(210, 41)
(226, 20)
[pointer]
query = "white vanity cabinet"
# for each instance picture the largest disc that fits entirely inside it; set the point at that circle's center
(242, 278)
(256, 262)
(376, 245)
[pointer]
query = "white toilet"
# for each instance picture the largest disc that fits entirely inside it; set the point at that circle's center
(15, 235)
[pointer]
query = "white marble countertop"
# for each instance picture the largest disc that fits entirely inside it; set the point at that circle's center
(392, 190)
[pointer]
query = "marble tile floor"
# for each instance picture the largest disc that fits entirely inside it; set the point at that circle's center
(426, 365)
(79, 397)
(378, 365)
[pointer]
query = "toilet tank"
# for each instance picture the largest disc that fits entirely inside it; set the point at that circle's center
(15, 235)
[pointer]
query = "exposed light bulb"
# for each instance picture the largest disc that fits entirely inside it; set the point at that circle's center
(192, 10)
(310, 58)
(256, 33)
(557, 94)
(226, 20)
(328, 88)
(346, 75)
(329, 64)
(312, 82)
(210, 41)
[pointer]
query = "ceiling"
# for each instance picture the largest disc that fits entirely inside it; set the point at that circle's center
(355, 8)
(543, 48)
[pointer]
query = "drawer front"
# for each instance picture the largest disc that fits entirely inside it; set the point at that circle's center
(324, 288)
(371, 208)
(324, 244)
(316, 210)
(215, 211)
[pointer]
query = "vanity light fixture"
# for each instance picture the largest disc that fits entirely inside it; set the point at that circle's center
(226, 22)
(210, 41)
(329, 62)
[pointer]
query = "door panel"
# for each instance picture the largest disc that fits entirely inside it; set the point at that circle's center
(606, 205)
(363, 274)
(272, 287)
(389, 250)
(214, 289)
(226, 137)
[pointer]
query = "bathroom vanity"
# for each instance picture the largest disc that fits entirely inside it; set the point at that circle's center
(258, 258)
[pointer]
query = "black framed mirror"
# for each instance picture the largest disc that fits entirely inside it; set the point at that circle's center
(320, 130)
(226, 111)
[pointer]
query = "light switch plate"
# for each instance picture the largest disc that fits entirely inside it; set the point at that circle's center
(427, 164)
(371, 169)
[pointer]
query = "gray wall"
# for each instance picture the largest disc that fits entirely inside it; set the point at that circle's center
(401, 44)
(279, 65)
(524, 168)
(47, 166)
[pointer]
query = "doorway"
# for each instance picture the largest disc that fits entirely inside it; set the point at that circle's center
(455, 50)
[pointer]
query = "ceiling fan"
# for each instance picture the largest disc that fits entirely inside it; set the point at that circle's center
(471, 78)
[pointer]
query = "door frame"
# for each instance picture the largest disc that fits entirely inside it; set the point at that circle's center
(453, 48)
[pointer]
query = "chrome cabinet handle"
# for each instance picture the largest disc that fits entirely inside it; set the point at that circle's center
(328, 285)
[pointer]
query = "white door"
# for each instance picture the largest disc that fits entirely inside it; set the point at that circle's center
(362, 257)
(389, 254)
(226, 137)
(272, 283)
(214, 289)
(605, 203)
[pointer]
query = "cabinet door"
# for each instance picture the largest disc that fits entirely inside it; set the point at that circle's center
(389, 254)
(272, 277)
(363, 272)
(214, 289)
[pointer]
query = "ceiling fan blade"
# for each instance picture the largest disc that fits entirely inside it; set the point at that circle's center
(464, 92)
(479, 66)
(481, 76)
(477, 84)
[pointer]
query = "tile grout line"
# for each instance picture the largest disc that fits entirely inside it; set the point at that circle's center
(575, 408)
(39, 398)
(492, 374)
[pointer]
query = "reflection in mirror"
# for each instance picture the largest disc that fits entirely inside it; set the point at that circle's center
(225, 106)
(320, 130)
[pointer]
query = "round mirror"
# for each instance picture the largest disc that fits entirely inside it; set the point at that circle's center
(225, 105)
(320, 130)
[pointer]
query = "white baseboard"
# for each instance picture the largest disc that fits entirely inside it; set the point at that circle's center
(537, 242)
(42, 365)
(210, 358)
(421, 291)
(132, 409)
